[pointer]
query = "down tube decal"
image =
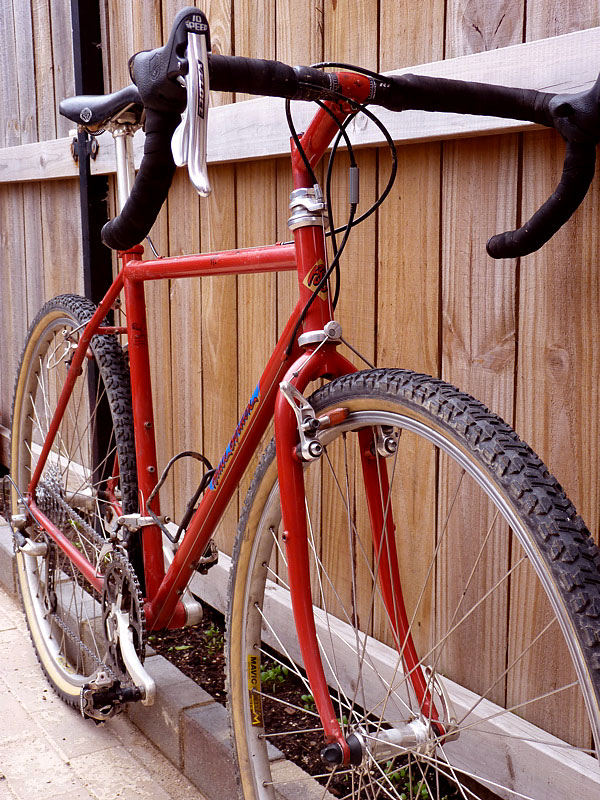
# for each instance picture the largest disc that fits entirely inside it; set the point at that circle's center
(237, 435)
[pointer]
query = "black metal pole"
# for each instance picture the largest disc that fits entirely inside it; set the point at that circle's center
(93, 189)
(93, 196)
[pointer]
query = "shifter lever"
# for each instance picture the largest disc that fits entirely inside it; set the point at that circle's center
(189, 140)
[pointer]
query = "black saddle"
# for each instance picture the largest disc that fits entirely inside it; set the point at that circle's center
(96, 110)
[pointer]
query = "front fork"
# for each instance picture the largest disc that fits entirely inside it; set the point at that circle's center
(291, 480)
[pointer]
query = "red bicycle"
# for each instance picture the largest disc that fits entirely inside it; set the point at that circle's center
(351, 616)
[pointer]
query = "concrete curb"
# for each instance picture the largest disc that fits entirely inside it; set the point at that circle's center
(186, 724)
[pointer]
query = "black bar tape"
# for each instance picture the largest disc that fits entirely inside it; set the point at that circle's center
(252, 76)
(422, 93)
(151, 184)
(580, 161)
(265, 77)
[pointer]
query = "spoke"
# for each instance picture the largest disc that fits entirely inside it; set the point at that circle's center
(454, 771)
(277, 579)
(284, 649)
(511, 666)
(287, 704)
(296, 731)
(282, 555)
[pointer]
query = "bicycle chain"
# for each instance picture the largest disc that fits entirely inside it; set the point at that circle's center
(52, 503)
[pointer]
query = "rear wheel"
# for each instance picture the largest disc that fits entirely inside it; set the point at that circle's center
(501, 588)
(89, 479)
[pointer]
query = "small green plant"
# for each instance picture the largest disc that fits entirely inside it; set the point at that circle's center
(214, 639)
(308, 702)
(409, 787)
(273, 673)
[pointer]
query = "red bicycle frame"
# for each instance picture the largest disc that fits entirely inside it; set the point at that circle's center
(299, 366)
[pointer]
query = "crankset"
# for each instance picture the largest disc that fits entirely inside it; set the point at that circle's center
(123, 623)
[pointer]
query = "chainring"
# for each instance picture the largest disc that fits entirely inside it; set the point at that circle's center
(121, 592)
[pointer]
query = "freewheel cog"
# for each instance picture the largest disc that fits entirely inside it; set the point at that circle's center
(121, 595)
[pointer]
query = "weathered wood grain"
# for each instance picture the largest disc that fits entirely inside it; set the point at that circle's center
(478, 339)
(557, 388)
(257, 129)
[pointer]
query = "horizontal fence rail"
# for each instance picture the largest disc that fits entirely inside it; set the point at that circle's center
(257, 128)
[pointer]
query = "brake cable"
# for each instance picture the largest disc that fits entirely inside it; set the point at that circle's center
(351, 222)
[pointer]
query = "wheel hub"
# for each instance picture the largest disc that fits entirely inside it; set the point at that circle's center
(416, 736)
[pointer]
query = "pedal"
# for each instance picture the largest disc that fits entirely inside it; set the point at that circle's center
(103, 697)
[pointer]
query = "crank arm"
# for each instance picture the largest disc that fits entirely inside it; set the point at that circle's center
(135, 668)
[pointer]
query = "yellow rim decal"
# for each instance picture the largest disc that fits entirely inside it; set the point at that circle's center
(256, 713)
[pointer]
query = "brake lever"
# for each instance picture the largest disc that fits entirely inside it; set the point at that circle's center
(189, 139)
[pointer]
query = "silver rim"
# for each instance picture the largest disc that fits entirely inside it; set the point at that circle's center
(498, 725)
(63, 611)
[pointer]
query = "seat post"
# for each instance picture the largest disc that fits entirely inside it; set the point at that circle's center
(123, 136)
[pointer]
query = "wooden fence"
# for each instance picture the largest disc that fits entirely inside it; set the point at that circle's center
(522, 336)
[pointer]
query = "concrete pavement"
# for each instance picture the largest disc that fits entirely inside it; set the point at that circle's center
(179, 747)
(48, 752)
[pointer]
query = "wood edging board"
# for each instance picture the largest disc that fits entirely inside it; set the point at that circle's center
(255, 129)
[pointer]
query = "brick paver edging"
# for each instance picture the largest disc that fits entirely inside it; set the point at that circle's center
(186, 724)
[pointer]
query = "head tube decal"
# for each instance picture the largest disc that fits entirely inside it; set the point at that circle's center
(314, 278)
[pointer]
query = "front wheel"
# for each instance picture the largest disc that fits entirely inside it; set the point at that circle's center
(500, 588)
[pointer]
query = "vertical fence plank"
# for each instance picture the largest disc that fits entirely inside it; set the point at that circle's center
(350, 36)
(410, 33)
(185, 298)
(13, 294)
(62, 52)
(219, 294)
(120, 44)
(257, 311)
(28, 102)
(408, 275)
(255, 31)
(256, 203)
(559, 352)
(220, 336)
(478, 337)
